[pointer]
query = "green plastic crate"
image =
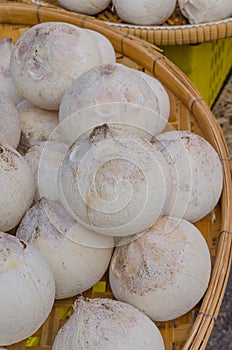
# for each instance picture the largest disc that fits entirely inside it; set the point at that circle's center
(207, 65)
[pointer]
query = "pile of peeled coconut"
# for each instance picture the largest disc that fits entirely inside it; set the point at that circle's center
(92, 180)
(150, 12)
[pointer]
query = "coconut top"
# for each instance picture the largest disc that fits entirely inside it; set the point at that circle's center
(108, 323)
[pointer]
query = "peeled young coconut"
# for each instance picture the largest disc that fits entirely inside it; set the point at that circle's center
(45, 159)
(78, 257)
(17, 187)
(48, 57)
(88, 7)
(162, 96)
(27, 289)
(196, 174)
(107, 324)
(10, 130)
(164, 271)
(117, 94)
(37, 124)
(113, 182)
(198, 11)
(6, 82)
(144, 12)
(106, 48)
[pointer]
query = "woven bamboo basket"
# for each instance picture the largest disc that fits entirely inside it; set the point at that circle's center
(201, 51)
(174, 34)
(188, 112)
(169, 33)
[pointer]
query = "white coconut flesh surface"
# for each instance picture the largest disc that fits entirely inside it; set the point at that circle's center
(196, 174)
(164, 272)
(27, 290)
(144, 12)
(78, 257)
(198, 11)
(17, 187)
(106, 48)
(116, 325)
(88, 7)
(48, 58)
(114, 182)
(45, 159)
(10, 130)
(117, 94)
(162, 96)
(36, 124)
(6, 82)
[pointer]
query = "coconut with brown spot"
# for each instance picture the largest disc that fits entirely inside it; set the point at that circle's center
(107, 324)
(17, 187)
(113, 182)
(163, 271)
(196, 174)
(48, 57)
(6, 82)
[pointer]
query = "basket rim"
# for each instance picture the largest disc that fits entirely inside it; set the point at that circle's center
(175, 27)
(162, 68)
(180, 34)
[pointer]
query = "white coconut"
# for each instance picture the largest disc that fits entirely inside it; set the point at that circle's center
(17, 187)
(27, 290)
(196, 174)
(106, 48)
(117, 94)
(37, 124)
(88, 7)
(144, 12)
(10, 130)
(48, 57)
(164, 272)
(162, 96)
(78, 257)
(45, 159)
(107, 324)
(198, 11)
(114, 182)
(6, 83)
